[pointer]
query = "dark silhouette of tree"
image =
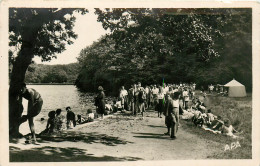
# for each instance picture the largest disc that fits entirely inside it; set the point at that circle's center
(39, 32)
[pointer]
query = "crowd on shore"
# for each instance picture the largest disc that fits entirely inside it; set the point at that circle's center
(174, 101)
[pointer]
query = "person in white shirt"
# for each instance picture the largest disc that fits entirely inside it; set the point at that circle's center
(147, 92)
(160, 103)
(185, 95)
(123, 97)
(194, 86)
(211, 88)
(175, 113)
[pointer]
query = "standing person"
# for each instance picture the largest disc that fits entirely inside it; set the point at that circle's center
(34, 107)
(141, 101)
(160, 98)
(175, 114)
(71, 118)
(131, 98)
(136, 103)
(167, 113)
(194, 86)
(150, 96)
(211, 88)
(185, 95)
(147, 101)
(123, 97)
(101, 101)
(155, 92)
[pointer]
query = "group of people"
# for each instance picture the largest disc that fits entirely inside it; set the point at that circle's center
(57, 122)
(163, 99)
(172, 100)
(219, 89)
(137, 99)
(204, 118)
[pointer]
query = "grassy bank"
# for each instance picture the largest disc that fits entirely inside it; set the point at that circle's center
(239, 112)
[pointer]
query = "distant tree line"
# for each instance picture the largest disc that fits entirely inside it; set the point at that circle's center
(180, 45)
(39, 73)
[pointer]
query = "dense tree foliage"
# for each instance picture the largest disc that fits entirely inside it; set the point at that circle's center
(180, 45)
(33, 32)
(39, 73)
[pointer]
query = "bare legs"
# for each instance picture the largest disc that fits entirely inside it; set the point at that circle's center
(31, 125)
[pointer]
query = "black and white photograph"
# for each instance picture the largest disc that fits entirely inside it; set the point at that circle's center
(130, 84)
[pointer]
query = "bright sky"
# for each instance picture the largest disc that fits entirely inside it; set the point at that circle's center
(88, 30)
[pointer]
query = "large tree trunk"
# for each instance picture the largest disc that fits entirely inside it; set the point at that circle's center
(20, 66)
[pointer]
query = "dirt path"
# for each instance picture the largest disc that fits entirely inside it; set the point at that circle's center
(116, 138)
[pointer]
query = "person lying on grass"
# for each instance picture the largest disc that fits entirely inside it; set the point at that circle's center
(216, 125)
(228, 129)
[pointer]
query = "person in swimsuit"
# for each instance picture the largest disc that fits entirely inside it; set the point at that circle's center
(34, 106)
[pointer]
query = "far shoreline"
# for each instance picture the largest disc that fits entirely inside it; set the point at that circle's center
(50, 83)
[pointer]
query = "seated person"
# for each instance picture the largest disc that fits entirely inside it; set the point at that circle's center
(90, 115)
(117, 106)
(50, 122)
(200, 119)
(216, 124)
(202, 108)
(60, 121)
(108, 108)
(71, 119)
(210, 117)
(81, 119)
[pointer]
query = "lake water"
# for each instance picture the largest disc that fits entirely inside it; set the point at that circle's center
(58, 96)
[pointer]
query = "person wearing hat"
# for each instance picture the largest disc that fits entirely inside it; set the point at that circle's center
(101, 101)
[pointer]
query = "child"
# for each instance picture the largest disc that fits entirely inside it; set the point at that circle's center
(59, 121)
(81, 119)
(71, 119)
(108, 108)
(50, 122)
(90, 115)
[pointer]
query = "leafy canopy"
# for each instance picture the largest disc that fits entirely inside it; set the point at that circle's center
(46, 30)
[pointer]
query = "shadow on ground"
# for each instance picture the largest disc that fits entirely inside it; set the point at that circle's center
(154, 126)
(76, 136)
(57, 154)
(151, 135)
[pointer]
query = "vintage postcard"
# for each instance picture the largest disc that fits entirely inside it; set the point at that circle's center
(130, 82)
